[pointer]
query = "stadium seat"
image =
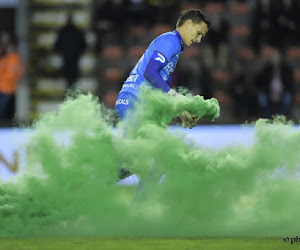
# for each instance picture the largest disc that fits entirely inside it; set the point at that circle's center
(160, 28)
(245, 53)
(237, 8)
(211, 8)
(113, 75)
(187, 6)
(110, 98)
(297, 98)
(137, 30)
(266, 51)
(240, 30)
(191, 52)
(226, 105)
(220, 76)
(111, 56)
(135, 52)
(223, 98)
(112, 52)
(293, 52)
(138, 35)
(297, 75)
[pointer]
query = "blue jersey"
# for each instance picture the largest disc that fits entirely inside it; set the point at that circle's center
(166, 48)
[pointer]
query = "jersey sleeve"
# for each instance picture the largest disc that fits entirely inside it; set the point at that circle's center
(168, 46)
(152, 74)
(165, 48)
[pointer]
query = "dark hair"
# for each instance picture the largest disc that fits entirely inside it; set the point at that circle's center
(195, 15)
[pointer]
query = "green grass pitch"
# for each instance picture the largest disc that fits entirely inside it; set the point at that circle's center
(146, 243)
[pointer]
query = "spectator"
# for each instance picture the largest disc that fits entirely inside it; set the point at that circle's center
(198, 81)
(70, 44)
(264, 30)
(109, 22)
(297, 21)
(287, 23)
(164, 11)
(138, 11)
(240, 94)
(242, 88)
(11, 69)
(275, 85)
(217, 50)
(184, 75)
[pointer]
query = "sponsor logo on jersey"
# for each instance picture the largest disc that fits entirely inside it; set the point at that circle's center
(132, 78)
(130, 85)
(160, 58)
(169, 68)
(122, 101)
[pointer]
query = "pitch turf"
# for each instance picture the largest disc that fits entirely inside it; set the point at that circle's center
(147, 243)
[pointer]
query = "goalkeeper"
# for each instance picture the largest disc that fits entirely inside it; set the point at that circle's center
(159, 61)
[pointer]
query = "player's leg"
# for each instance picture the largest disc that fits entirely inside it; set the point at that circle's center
(125, 103)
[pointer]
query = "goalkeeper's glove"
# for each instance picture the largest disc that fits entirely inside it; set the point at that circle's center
(188, 120)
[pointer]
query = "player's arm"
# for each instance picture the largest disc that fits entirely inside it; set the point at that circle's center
(152, 72)
(156, 63)
(159, 59)
(165, 48)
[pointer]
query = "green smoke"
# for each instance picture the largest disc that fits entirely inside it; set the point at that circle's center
(74, 156)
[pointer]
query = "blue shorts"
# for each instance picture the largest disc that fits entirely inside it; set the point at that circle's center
(124, 103)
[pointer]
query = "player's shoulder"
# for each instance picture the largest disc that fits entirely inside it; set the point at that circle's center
(169, 36)
(168, 39)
